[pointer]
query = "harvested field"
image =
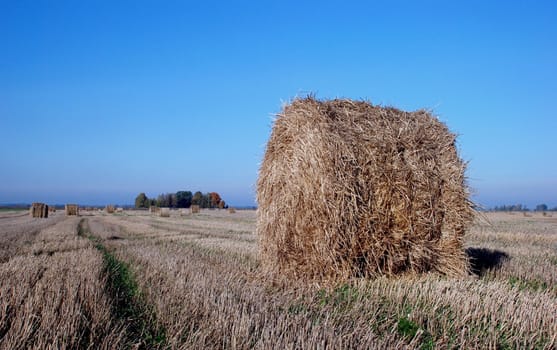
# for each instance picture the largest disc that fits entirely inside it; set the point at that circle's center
(194, 282)
(52, 293)
(348, 189)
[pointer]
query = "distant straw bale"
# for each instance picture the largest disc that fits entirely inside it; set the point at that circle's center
(109, 209)
(347, 189)
(72, 209)
(231, 210)
(195, 209)
(154, 209)
(38, 210)
(164, 212)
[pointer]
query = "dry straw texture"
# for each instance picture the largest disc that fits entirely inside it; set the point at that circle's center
(195, 209)
(348, 189)
(164, 212)
(38, 210)
(72, 209)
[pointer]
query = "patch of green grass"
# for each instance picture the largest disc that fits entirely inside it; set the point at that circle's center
(128, 303)
(12, 209)
(409, 329)
(503, 344)
(343, 295)
(532, 285)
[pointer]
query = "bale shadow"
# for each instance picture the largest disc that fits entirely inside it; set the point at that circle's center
(484, 259)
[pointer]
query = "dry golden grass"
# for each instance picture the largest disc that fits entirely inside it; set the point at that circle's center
(164, 212)
(200, 277)
(17, 232)
(52, 293)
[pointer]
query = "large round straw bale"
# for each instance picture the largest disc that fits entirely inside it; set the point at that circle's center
(348, 189)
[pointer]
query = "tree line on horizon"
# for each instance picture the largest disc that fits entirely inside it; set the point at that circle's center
(521, 207)
(181, 199)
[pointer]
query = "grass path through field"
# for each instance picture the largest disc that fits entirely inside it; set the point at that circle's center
(52, 293)
(204, 286)
(142, 281)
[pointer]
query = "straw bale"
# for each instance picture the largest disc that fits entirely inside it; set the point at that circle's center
(195, 209)
(231, 210)
(72, 209)
(109, 209)
(38, 210)
(347, 189)
(164, 212)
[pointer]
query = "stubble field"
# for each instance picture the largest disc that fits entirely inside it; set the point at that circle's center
(134, 280)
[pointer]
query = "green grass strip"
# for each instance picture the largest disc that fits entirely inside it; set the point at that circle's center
(128, 304)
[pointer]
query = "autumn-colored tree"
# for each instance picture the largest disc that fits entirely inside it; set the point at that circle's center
(184, 199)
(215, 199)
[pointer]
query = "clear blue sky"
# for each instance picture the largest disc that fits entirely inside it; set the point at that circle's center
(101, 100)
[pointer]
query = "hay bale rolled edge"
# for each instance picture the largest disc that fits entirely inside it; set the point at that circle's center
(350, 189)
(71, 209)
(38, 210)
(164, 212)
(195, 209)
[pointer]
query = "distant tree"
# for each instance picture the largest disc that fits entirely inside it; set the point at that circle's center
(141, 201)
(162, 201)
(513, 207)
(214, 199)
(541, 207)
(171, 199)
(197, 198)
(205, 201)
(183, 199)
(167, 200)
